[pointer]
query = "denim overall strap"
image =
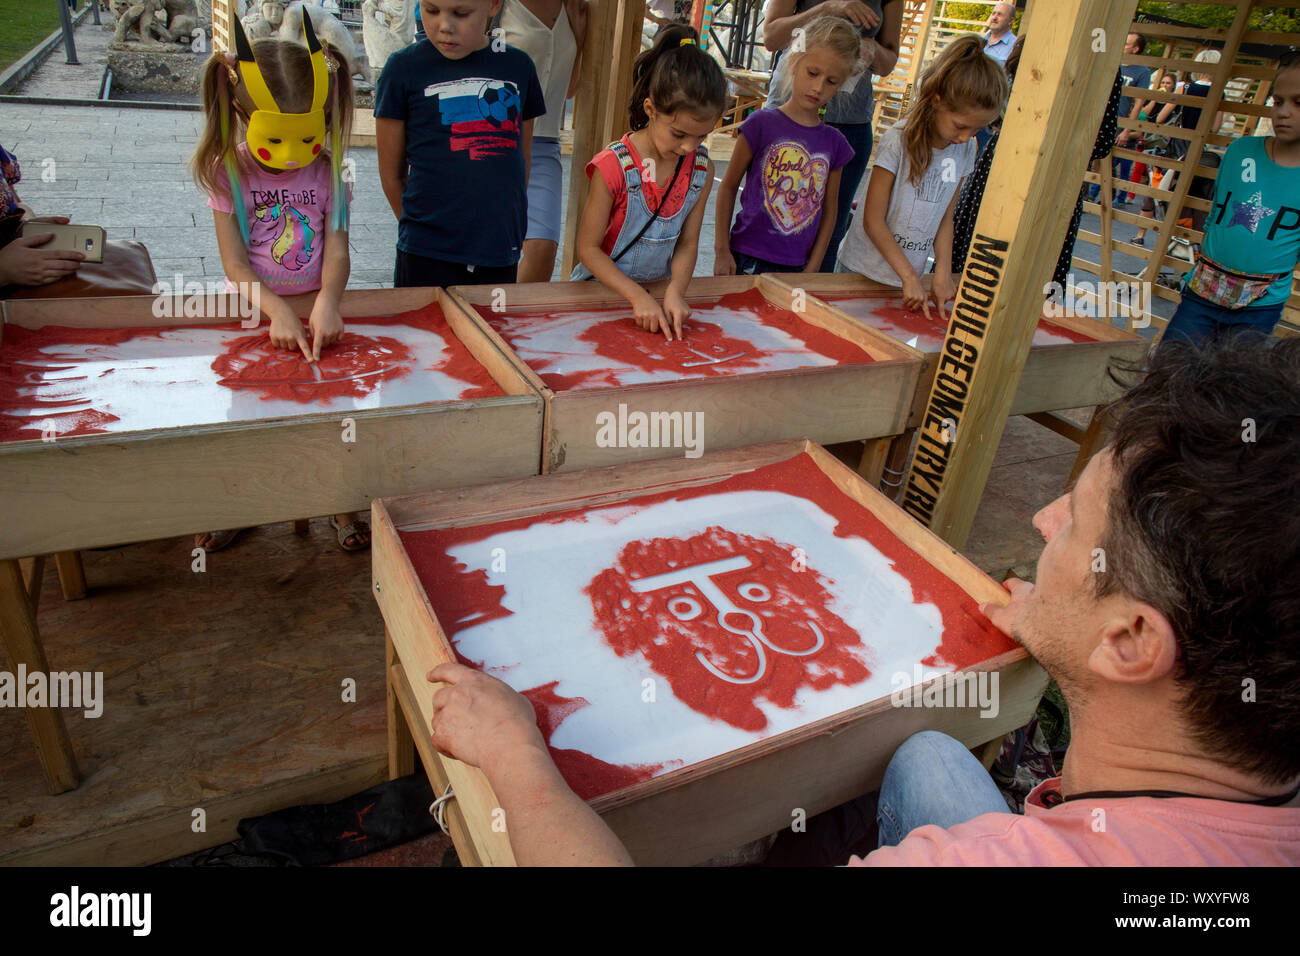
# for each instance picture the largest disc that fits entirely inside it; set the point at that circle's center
(649, 260)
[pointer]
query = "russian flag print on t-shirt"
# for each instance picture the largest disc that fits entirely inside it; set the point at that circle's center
(483, 114)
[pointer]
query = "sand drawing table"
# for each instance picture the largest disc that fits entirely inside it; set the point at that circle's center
(758, 363)
(1067, 363)
(117, 425)
(1066, 367)
(710, 645)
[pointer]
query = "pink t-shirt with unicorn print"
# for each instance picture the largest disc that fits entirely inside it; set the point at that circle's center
(288, 213)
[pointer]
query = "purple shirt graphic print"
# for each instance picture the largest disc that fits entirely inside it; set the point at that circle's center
(785, 186)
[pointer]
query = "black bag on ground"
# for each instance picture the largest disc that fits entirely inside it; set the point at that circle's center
(387, 815)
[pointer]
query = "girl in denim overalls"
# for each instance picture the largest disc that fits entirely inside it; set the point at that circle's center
(661, 167)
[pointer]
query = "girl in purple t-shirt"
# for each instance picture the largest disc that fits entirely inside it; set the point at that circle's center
(791, 164)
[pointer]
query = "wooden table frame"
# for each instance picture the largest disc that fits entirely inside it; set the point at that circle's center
(698, 811)
(1057, 376)
(88, 491)
(826, 404)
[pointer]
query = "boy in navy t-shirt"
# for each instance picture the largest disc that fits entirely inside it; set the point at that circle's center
(454, 124)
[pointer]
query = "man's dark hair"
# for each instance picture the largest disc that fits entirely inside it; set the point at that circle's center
(1203, 523)
(1142, 42)
(1288, 61)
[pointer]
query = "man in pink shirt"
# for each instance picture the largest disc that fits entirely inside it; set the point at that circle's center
(1180, 661)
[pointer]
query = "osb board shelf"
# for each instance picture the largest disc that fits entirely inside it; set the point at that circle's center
(107, 489)
(1056, 376)
(827, 404)
(691, 813)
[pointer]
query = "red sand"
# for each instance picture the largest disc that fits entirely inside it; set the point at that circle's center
(249, 362)
(463, 598)
(621, 341)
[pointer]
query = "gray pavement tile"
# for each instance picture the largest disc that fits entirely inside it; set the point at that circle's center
(167, 269)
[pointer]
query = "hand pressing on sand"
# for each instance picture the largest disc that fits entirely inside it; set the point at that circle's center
(649, 315)
(481, 721)
(677, 310)
(286, 330)
(915, 298)
(326, 325)
(945, 290)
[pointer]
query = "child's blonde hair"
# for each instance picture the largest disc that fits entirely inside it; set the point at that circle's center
(835, 34)
(963, 78)
(286, 67)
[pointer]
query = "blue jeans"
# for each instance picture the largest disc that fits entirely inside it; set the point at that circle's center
(859, 137)
(1196, 321)
(933, 778)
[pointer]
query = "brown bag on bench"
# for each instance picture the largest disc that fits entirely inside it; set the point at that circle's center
(126, 270)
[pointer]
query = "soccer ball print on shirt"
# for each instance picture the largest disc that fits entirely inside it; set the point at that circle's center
(483, 114)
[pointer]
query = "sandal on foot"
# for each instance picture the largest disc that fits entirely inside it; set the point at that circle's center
(350, 530)
(222, 539)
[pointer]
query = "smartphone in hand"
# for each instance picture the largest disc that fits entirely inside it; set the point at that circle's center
(88, 240)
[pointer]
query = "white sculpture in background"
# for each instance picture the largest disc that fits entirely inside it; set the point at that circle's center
(265, 21)
(284, 20)
(387, 26)
(329, 29)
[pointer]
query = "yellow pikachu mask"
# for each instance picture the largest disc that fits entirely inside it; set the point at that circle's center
(284, 140)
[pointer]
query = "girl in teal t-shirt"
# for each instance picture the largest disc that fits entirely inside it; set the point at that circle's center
(1242, 276)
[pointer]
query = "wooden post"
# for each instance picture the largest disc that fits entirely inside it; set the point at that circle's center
(221, 13)
(22, 644)
(401, 744)
(1065, 76)
(72, 575)
(599, 115)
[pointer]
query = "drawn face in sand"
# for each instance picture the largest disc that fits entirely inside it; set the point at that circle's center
(576, 348)
(71, 381)
(681, 625)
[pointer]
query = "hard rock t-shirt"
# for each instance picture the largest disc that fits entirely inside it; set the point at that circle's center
(785, 187)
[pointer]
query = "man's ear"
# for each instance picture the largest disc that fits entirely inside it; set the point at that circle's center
(1137, 646)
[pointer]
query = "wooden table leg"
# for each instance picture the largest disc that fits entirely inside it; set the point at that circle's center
(401, 745)
(301, 525)
(22, 643)
(896, 464)
(33, 570)
(874, 456)
(1093, 438)
(72, 575)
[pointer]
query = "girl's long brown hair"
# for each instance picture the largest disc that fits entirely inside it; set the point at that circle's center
(286, 67)
(676, 76)
(961, 78)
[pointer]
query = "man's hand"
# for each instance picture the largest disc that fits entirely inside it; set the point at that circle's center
(23, 262)
(479, 720)
(1004, 616)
